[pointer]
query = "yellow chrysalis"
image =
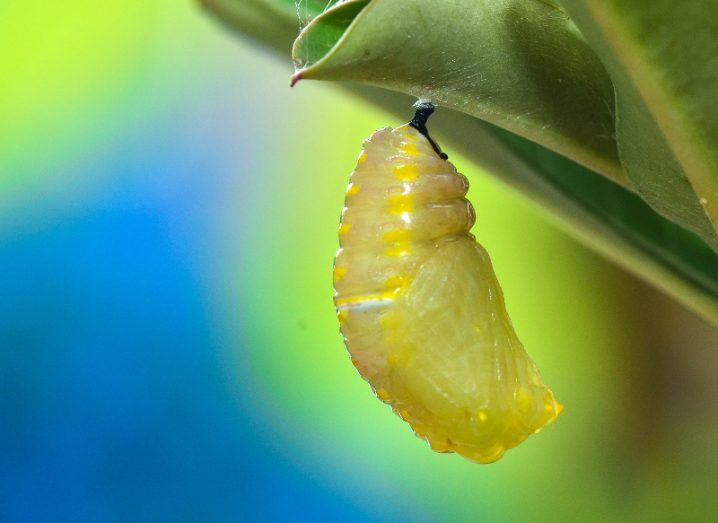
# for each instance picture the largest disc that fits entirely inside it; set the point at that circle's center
(419, 306)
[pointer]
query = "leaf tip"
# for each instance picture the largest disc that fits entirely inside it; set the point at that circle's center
(298, 75)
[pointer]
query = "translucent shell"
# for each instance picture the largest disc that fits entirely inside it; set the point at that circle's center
(420, 309)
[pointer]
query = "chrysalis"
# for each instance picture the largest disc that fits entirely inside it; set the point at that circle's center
(419, 306)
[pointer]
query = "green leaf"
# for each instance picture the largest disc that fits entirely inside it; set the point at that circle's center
(522, 66)
(662, 57)
(603, 215)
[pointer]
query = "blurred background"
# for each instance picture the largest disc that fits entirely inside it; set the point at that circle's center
(168, 345)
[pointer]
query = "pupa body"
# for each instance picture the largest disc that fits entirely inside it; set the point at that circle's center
(420, 309)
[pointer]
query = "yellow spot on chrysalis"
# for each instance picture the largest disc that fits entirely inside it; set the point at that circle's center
(344, 228)
(339, 272)
(483, 416)
(352, 189)
(398, 249)
(406, 132)
(390, 294)
(342, 314)
(397, 235)
(401, 203)
(550, 403)
(395, 282)
(405, 172)
(382, 394)
(409, 149)
(362, 158)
